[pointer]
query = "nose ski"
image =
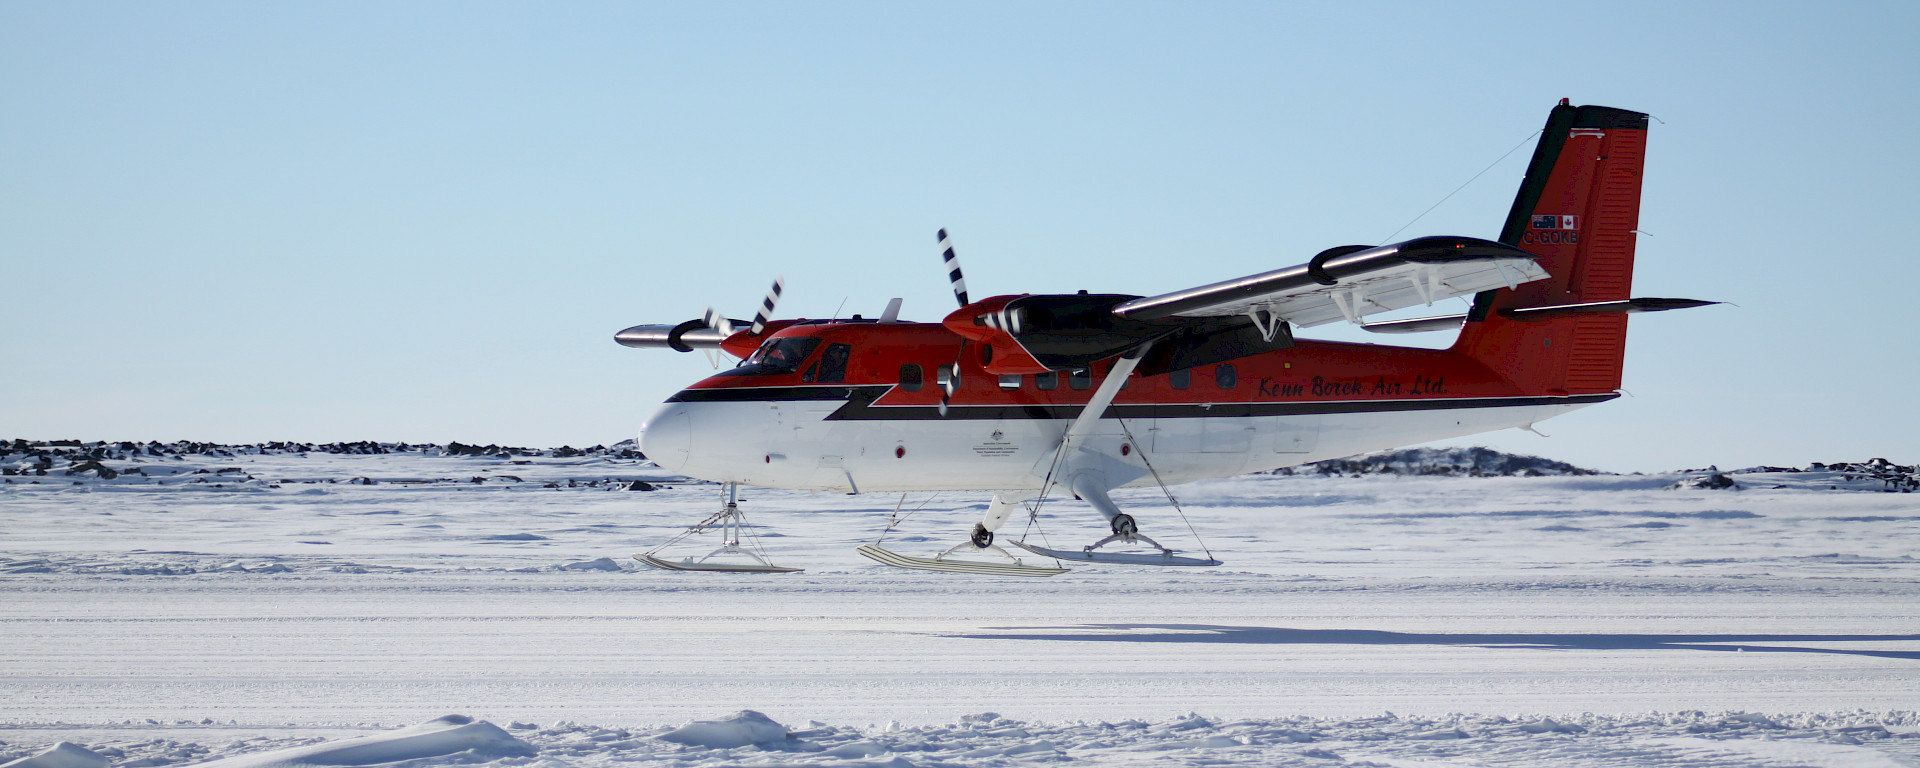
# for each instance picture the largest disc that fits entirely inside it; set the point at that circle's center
(733, 556)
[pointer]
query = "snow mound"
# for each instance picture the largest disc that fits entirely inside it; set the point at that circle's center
(601, 564)
(62, 755)
(452, 734)
(744, 728)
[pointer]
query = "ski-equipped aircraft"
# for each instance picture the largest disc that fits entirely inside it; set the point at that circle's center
(1020, 395)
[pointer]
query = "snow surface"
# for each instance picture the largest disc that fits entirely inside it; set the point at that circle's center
(1576, 620)
(61, 755)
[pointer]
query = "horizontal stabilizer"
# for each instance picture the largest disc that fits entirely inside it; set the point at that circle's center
(1626, 306)
(1602, 308)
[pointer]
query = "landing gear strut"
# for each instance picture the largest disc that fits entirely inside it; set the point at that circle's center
(982, 537)
(1124, 527)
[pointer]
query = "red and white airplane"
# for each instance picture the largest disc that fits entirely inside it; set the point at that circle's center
(1019, 395)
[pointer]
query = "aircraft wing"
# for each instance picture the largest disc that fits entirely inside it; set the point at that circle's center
(1351, 282)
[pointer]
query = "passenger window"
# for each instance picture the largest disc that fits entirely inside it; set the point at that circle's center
(1010, 381)
(1080, 378)
(910, 377)
(1047, 382)
(949, 376)
(1181, 379)
(1225, 376)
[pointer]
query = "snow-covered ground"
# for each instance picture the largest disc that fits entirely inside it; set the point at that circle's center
(269, 611)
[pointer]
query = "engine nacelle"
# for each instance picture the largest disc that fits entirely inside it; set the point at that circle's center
(1051, 332)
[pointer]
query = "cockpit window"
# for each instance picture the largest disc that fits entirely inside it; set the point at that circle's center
(832, 367)
(776, 356)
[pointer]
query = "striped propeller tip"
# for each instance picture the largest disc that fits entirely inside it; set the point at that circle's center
(953, 269)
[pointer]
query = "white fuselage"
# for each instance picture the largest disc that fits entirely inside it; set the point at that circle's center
(793, 444)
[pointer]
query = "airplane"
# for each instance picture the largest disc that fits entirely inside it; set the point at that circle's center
(1019, 395)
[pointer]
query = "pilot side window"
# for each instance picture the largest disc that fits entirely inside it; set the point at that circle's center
(832, 368)
(1181, 379)
(776, 356)
(1225, 377)
(1080, 378)
(910, 377)
(1047, 382)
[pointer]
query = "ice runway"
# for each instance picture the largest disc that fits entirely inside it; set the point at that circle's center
(137, 610)
(656, 648)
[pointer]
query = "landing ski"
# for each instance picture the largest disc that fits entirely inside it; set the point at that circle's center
(690, 564)
(1125, 558)
(897, 560)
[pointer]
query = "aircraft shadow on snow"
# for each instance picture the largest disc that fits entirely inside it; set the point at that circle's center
(1215, 633)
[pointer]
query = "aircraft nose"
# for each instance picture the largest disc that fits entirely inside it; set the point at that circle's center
(667, 439)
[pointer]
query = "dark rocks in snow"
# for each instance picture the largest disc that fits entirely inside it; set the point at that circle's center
(1451, 462)
(102, 471)
(22, 455)
(640, 485)
(1717, 481)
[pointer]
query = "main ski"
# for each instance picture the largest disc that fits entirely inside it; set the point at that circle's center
(897, 560)
(1124, 558)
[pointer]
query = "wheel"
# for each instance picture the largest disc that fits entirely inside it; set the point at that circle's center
(1123, 525)
(982, 537)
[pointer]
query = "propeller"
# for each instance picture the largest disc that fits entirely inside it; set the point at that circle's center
(948, 376)
(953, 268)
(766, 307)
(708, 333)
(718, 322)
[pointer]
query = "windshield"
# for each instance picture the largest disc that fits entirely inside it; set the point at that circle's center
(776, 356)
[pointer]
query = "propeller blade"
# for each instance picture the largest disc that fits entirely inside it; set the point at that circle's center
(718, 322)
(953, 268)
(766, 307)
(948, 379)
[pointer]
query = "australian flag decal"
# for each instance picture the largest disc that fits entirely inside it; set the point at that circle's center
(1550, 221)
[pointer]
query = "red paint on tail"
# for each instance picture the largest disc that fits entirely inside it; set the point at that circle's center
(1577, 209)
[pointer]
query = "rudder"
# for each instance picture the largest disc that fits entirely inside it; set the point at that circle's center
(1577, 209)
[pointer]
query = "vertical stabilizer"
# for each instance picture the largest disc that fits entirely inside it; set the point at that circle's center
(1577, 209)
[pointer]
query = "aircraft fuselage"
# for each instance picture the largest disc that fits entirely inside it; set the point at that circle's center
(860, 408)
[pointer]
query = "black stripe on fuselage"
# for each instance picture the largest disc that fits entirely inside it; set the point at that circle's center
(859, 405)
(777, 394)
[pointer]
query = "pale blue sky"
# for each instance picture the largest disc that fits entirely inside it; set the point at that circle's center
(424, 221)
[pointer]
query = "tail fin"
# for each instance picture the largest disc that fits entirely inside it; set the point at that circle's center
(1577, 209)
